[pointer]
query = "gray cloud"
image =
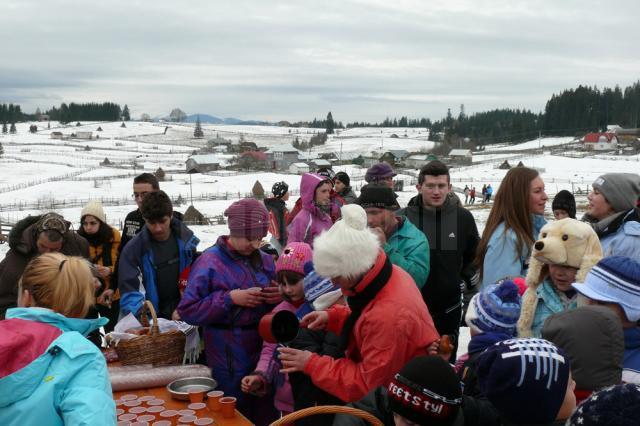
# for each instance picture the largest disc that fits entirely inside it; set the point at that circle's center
(361, 59)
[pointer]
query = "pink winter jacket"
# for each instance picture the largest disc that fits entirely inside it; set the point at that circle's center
(269, 367)
(310, 221)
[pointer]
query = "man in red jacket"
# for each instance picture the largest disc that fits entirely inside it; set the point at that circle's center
(385, 325)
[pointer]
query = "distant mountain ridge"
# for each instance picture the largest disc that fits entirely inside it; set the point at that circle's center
(210, 119)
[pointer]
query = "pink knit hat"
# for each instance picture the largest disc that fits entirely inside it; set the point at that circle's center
(248, 218)
(293, 258)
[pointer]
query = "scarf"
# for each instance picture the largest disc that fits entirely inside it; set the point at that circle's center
(358, 302)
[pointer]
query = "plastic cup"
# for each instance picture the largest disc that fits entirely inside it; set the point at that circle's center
(137, 410)
(119, 412)
(171, 416)
(146, 398)
(199, 407)
(119, 402)
(213, 400)
(196, 395)
(187, 420)
(155, 402)
(132, 403)
(155, 410)
(203, 421)
(162, 423)
(186, 413)
(228, 407)
(127, 417)
(146, 418)
(128, 397)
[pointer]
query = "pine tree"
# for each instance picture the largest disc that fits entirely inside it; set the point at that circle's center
(12, 129)
(330, 124)
(197, 132)
(4, 127)
(125, 113)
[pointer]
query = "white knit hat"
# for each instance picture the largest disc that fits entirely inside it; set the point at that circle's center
(94, 208)
(348, 249)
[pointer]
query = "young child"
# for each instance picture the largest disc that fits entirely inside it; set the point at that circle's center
(564, 205)
(615, 282)
(564, 253)
(289, 275)
(528, 381)
(492, 316)
(592, 338)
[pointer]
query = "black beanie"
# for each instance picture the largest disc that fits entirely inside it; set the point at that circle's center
(426, 391)
(564, 200)
(381, 197)
(343, 177)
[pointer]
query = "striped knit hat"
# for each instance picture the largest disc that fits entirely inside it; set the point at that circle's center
(615, 279)
(495, 309)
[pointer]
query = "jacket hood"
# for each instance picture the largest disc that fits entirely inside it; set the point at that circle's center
(308, 185)
(30, 340)
(47, 316)
(22, 237)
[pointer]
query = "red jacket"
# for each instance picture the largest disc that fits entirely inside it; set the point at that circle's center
(392, 329)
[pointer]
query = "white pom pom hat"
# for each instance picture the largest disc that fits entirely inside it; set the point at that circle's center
(348, 249)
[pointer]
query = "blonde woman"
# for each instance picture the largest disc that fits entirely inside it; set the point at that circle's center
(49, 372)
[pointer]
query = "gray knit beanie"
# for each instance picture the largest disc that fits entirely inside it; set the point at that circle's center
(620, 189)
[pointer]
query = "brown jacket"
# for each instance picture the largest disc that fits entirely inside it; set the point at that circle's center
(22, 248)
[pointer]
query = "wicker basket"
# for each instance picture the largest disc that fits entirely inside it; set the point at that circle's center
(155, 348)
(327, 409)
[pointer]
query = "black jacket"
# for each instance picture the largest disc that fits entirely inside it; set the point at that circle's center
(475, 412)
(453, 238)
(305, 393)
(279, 208)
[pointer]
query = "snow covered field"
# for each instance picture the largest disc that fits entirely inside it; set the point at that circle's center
(31, 159)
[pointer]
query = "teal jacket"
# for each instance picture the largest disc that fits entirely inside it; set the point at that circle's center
(501, 260)
(408, 248)
(59, 378)
(549, 302)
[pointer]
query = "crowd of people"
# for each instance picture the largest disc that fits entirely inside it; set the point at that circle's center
(380, 291)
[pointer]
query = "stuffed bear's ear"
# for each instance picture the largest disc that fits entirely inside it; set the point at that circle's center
(536, 274)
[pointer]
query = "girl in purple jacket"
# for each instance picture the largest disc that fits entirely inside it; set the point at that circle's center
(228, 291)
(317, 209)
(290, 275)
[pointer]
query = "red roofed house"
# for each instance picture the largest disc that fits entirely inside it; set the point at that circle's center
(600, 141)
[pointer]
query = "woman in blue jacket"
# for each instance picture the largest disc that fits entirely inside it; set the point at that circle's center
(50, 374)
(512, 227)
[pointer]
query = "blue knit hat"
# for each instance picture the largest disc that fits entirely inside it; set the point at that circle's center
(315, 285)
(617, 405)
(525, 379)
(615, 279)
(495, 309)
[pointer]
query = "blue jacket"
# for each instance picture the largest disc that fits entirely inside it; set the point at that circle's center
(549, 303)
(623, 239)
(409, 249)
(501, 259)
(60, 378)
(136, 269)
(631, 363)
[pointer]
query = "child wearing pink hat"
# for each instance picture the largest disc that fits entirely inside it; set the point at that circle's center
(289, 275)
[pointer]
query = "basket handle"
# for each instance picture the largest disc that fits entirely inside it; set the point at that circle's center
(327, 409)
(155, 330)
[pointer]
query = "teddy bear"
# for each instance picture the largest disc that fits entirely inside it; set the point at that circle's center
(567, 242)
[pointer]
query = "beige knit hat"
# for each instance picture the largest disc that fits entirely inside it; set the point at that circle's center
(94, 208)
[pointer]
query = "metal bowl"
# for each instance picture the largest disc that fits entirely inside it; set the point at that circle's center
(179, 389)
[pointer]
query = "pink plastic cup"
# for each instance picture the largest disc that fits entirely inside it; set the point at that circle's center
(199, 407)
(127, 417)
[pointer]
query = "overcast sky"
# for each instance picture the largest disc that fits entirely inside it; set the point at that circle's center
(295, 60)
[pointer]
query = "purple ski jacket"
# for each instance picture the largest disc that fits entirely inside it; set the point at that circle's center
(311, 221)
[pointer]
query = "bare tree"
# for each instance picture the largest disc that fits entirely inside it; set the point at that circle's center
(177, 115)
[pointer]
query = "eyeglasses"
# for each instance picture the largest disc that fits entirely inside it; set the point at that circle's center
(139, 194)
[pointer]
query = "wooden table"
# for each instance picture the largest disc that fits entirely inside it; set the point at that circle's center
(175, 404)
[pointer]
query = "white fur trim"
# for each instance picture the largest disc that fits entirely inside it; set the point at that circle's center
(348, 249)
(327, 300)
